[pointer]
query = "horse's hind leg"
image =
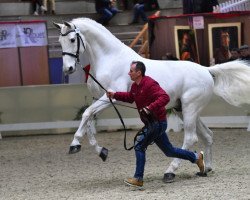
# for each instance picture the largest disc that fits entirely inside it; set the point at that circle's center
(192, 104)
(190, 137)
(207, 137)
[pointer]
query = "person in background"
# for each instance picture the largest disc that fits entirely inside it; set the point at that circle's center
(235, 54)
(125, 4)
(207, 5)
(140, 8)
(37, 6)
(223, 54)
(198, 6)
(245, 52)
(52, 4)
(107, 10)
(150, 100)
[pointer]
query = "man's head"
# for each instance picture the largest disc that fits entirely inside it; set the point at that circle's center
(137, 70)
(235, 54)
(244, 51)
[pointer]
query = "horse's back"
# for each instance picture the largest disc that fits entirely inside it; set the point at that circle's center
(180, 77)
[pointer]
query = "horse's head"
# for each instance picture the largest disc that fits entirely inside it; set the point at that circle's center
(72, 44)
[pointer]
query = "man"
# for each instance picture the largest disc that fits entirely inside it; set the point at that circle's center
(245, 52)
(235, 54)
(140, 8)
(107, 10)
(151, 100)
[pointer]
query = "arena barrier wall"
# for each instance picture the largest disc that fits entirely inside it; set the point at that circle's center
(52, 109)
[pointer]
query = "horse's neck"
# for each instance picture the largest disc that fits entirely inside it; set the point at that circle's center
(102, 43)
(102, 46)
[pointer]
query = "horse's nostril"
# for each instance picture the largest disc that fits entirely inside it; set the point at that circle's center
(71, 69)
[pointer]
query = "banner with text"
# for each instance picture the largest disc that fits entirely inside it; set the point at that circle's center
(23, 35)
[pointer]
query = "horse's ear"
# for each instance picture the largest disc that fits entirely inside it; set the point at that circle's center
(58, 26)
(67, 24)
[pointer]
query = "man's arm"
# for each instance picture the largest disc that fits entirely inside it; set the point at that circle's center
(160, 96)
(121, 96)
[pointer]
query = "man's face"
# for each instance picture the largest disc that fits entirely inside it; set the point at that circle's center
(244, 52)
(234, 54)
(133, 73)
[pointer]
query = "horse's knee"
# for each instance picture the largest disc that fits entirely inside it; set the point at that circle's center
(190, 139)
(86, 113)
(210, 141)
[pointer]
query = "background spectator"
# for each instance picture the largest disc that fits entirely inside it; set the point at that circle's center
(52, 5)
(198, 6)
(140, 7)
(235, 54)
(245, 52)
(37, 7)
(107, 10)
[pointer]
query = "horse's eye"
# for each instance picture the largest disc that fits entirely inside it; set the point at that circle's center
(72, 40)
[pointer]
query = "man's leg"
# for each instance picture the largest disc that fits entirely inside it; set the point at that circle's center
(169, 150)
(140, 154)
(142, 13)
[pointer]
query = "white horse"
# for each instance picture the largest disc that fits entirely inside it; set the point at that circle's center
(189, 85)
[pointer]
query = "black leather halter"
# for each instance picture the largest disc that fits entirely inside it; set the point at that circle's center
(79, 38)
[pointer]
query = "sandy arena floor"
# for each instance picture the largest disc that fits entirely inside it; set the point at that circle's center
(38, 167)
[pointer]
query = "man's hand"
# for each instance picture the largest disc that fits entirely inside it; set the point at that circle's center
(110, 94)
(145, 110)
(147, 116)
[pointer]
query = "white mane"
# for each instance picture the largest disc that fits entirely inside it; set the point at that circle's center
(93, 29)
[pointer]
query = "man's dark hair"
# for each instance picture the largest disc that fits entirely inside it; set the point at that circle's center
(235, 49)
(140, 66)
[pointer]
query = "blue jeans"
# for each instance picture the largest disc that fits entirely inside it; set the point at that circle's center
(107, 14)
(164, 144)
(139, 11)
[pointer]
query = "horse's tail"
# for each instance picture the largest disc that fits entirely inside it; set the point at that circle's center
(232, 81)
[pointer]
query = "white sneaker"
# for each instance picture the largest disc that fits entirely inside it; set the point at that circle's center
(43, 8)
(35, 13)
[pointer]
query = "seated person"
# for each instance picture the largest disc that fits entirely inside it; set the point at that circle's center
(140, 7)
(107, 10)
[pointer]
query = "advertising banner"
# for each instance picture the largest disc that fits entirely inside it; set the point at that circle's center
(23, 35)
(8, 36)
(31, 35)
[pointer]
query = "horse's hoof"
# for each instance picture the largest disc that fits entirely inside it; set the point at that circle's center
(168, 177)
(104, 154)
(201, 174)
(74, 149)
(209, 169)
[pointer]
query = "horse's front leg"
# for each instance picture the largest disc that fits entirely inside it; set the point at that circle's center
(86, 127)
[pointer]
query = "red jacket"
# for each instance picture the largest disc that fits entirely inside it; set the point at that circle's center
(147, 93)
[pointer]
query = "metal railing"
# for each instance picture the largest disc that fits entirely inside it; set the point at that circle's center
(232, 5)
(144, 50)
